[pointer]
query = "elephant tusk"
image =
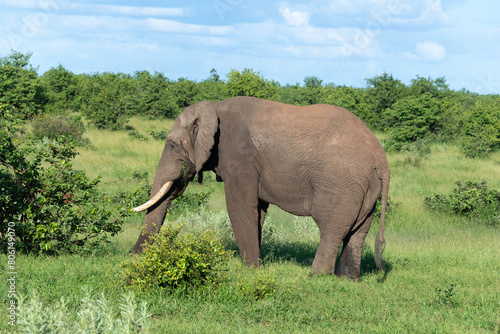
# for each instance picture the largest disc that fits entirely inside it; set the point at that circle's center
(164, 189)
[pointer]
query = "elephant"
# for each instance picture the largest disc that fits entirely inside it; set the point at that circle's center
(319, 160)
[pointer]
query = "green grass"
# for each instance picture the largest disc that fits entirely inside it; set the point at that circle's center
(443, 272)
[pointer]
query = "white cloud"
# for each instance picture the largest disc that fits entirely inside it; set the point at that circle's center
(141, 11)
(295, 18)
(428, 51)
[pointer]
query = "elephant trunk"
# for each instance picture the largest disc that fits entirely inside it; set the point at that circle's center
(157, 210)
(162, 196)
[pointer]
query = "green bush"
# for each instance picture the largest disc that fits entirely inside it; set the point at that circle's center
(413, 118)
(63, 128)
(178, 261)
(471, 199)
(137, 135)
(189, 202)
(107, 99)
(95, 315)
(53, 207)
(20, 86)
(159, 135)
(61, 87)
(481, 128)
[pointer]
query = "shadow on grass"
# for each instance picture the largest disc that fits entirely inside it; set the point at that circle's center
(303, 253)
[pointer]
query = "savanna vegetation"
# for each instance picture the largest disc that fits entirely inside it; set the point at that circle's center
(77, 151)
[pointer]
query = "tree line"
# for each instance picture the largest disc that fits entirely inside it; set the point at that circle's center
(424, 110)
(53, 208)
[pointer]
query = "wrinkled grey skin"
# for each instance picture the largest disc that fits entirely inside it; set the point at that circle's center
(319, 161)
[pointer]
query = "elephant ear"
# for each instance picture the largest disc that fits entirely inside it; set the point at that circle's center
(207, 125)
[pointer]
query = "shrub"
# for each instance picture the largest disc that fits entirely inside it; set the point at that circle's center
(481, 128)
(54, 207)
(20, 86)
(159, 135)
(106, 100)
(95, 315)
(62, 128)
(470, 199)
(189, 202)
(413, 118)
(178, 261)
(137, 135)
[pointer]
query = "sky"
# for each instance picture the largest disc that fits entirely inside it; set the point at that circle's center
(339, 41)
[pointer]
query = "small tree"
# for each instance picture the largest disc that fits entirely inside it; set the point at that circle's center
(413, 118)
(107, 99)
(381, 94)
(61, 86)
(51, 206)
(250, 83)
(481, 128)
(20, 86)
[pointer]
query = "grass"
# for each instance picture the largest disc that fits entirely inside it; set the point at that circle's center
(443, 272)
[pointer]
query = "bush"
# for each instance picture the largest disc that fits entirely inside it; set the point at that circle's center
(137, 135)
(20, 86)
(189, 202)
(178, 261)
(107, 100)
(53, 207)
(471, 199)
(62, 128)
(481, 128)
(95, 315)
(413, 118)
(159, 135)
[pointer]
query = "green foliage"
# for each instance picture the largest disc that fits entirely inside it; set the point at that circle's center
(211, 89)
(352, 99)
(250, 83)
(55, 208)
(446, 296)
(153, 96)
(382, 93)
(95, 315)
(412, 118)
(20, 86)
(106, 100)
(471, 199)
(134, 134)
(312, 89)
(258, 287)
(64, 129)
(178, 261)
(159, 135)
(61, 87)
(189, 202)
(481, 128)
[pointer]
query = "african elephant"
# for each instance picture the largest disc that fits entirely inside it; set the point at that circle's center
(319, 161)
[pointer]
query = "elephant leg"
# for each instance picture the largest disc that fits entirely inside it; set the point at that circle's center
(334, 219)
(245, 215)
(350, 259)
(263, 206)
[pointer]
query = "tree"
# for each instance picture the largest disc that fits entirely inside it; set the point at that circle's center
(153, 96)
(107, 99)
(481, 128)
(312, 89)
(20, 86)
(413, 118)
(382, 92)
(61, 87)
(49, 206)
(250, 83)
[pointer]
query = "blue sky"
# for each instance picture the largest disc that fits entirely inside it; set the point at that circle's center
(339, 41)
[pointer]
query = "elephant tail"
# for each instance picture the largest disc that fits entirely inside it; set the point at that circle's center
(379, 239)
